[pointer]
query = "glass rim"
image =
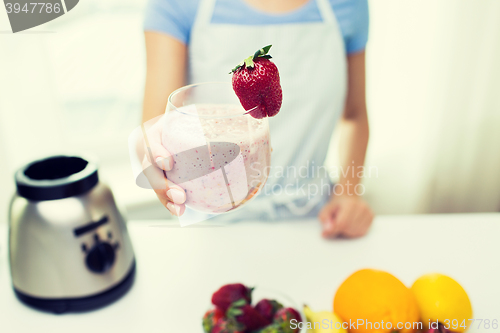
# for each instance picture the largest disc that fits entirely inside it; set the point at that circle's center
(189, 86)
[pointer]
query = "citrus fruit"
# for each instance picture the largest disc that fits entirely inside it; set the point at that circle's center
(378, 302)
(440, 298)
(322, 321)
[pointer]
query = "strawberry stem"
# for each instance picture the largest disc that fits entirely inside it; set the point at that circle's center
(249, 62)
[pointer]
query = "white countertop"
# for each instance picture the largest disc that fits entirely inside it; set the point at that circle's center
(179, 268)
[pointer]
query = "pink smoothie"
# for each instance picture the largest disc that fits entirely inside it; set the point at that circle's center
(220, 161)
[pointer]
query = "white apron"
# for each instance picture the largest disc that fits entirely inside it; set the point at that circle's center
(311, 59)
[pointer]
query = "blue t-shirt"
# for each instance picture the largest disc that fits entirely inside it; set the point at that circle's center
(176, 17)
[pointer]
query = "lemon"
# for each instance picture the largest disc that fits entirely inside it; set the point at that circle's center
(441, 298)
(323, 321)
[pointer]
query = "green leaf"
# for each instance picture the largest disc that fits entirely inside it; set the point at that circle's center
(237, 67)
(249, 62)
(261, 52)
(206, 326)
(266, 49)
(238, 303)
(237, 312)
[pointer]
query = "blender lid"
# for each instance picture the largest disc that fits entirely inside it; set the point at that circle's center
(56, 177)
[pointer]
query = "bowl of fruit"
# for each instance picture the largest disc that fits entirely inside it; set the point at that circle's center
(237, 308)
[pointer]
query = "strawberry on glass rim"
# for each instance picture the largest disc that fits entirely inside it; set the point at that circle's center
(256, 82)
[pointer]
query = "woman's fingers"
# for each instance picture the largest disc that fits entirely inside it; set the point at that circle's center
(342, 217)
(327, 218)
(171, 193)
(160, 155)
(171, 196)
(349, 217)
(164, 163)
(175, 193)
(154, 175)
(176, 209)
(329, 230)
(359, 222)
(156, 161)
(354, 226)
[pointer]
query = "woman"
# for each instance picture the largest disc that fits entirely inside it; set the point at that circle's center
(318, 46)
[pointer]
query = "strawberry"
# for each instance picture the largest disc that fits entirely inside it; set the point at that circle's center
(256, 82)
(227, 326)
(267, 308)
(284, 317)
(210, 318)
(230, 293)
(247, 316)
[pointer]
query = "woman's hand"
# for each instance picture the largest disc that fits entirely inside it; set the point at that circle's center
(157, 160)
(166, 71)
(347, 216)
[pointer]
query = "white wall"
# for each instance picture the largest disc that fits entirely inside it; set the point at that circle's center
(466, 157)
(433, 78)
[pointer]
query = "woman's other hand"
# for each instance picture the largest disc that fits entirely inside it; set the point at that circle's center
(348, 215)
(345, 216)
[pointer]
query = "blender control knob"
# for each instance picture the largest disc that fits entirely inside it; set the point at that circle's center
(100, 258)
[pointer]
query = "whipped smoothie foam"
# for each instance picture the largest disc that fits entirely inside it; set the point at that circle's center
(220, 155)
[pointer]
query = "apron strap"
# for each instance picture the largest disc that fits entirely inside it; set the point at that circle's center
(326, 11)
(204, 12)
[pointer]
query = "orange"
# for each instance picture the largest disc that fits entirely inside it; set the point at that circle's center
(378, 302)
